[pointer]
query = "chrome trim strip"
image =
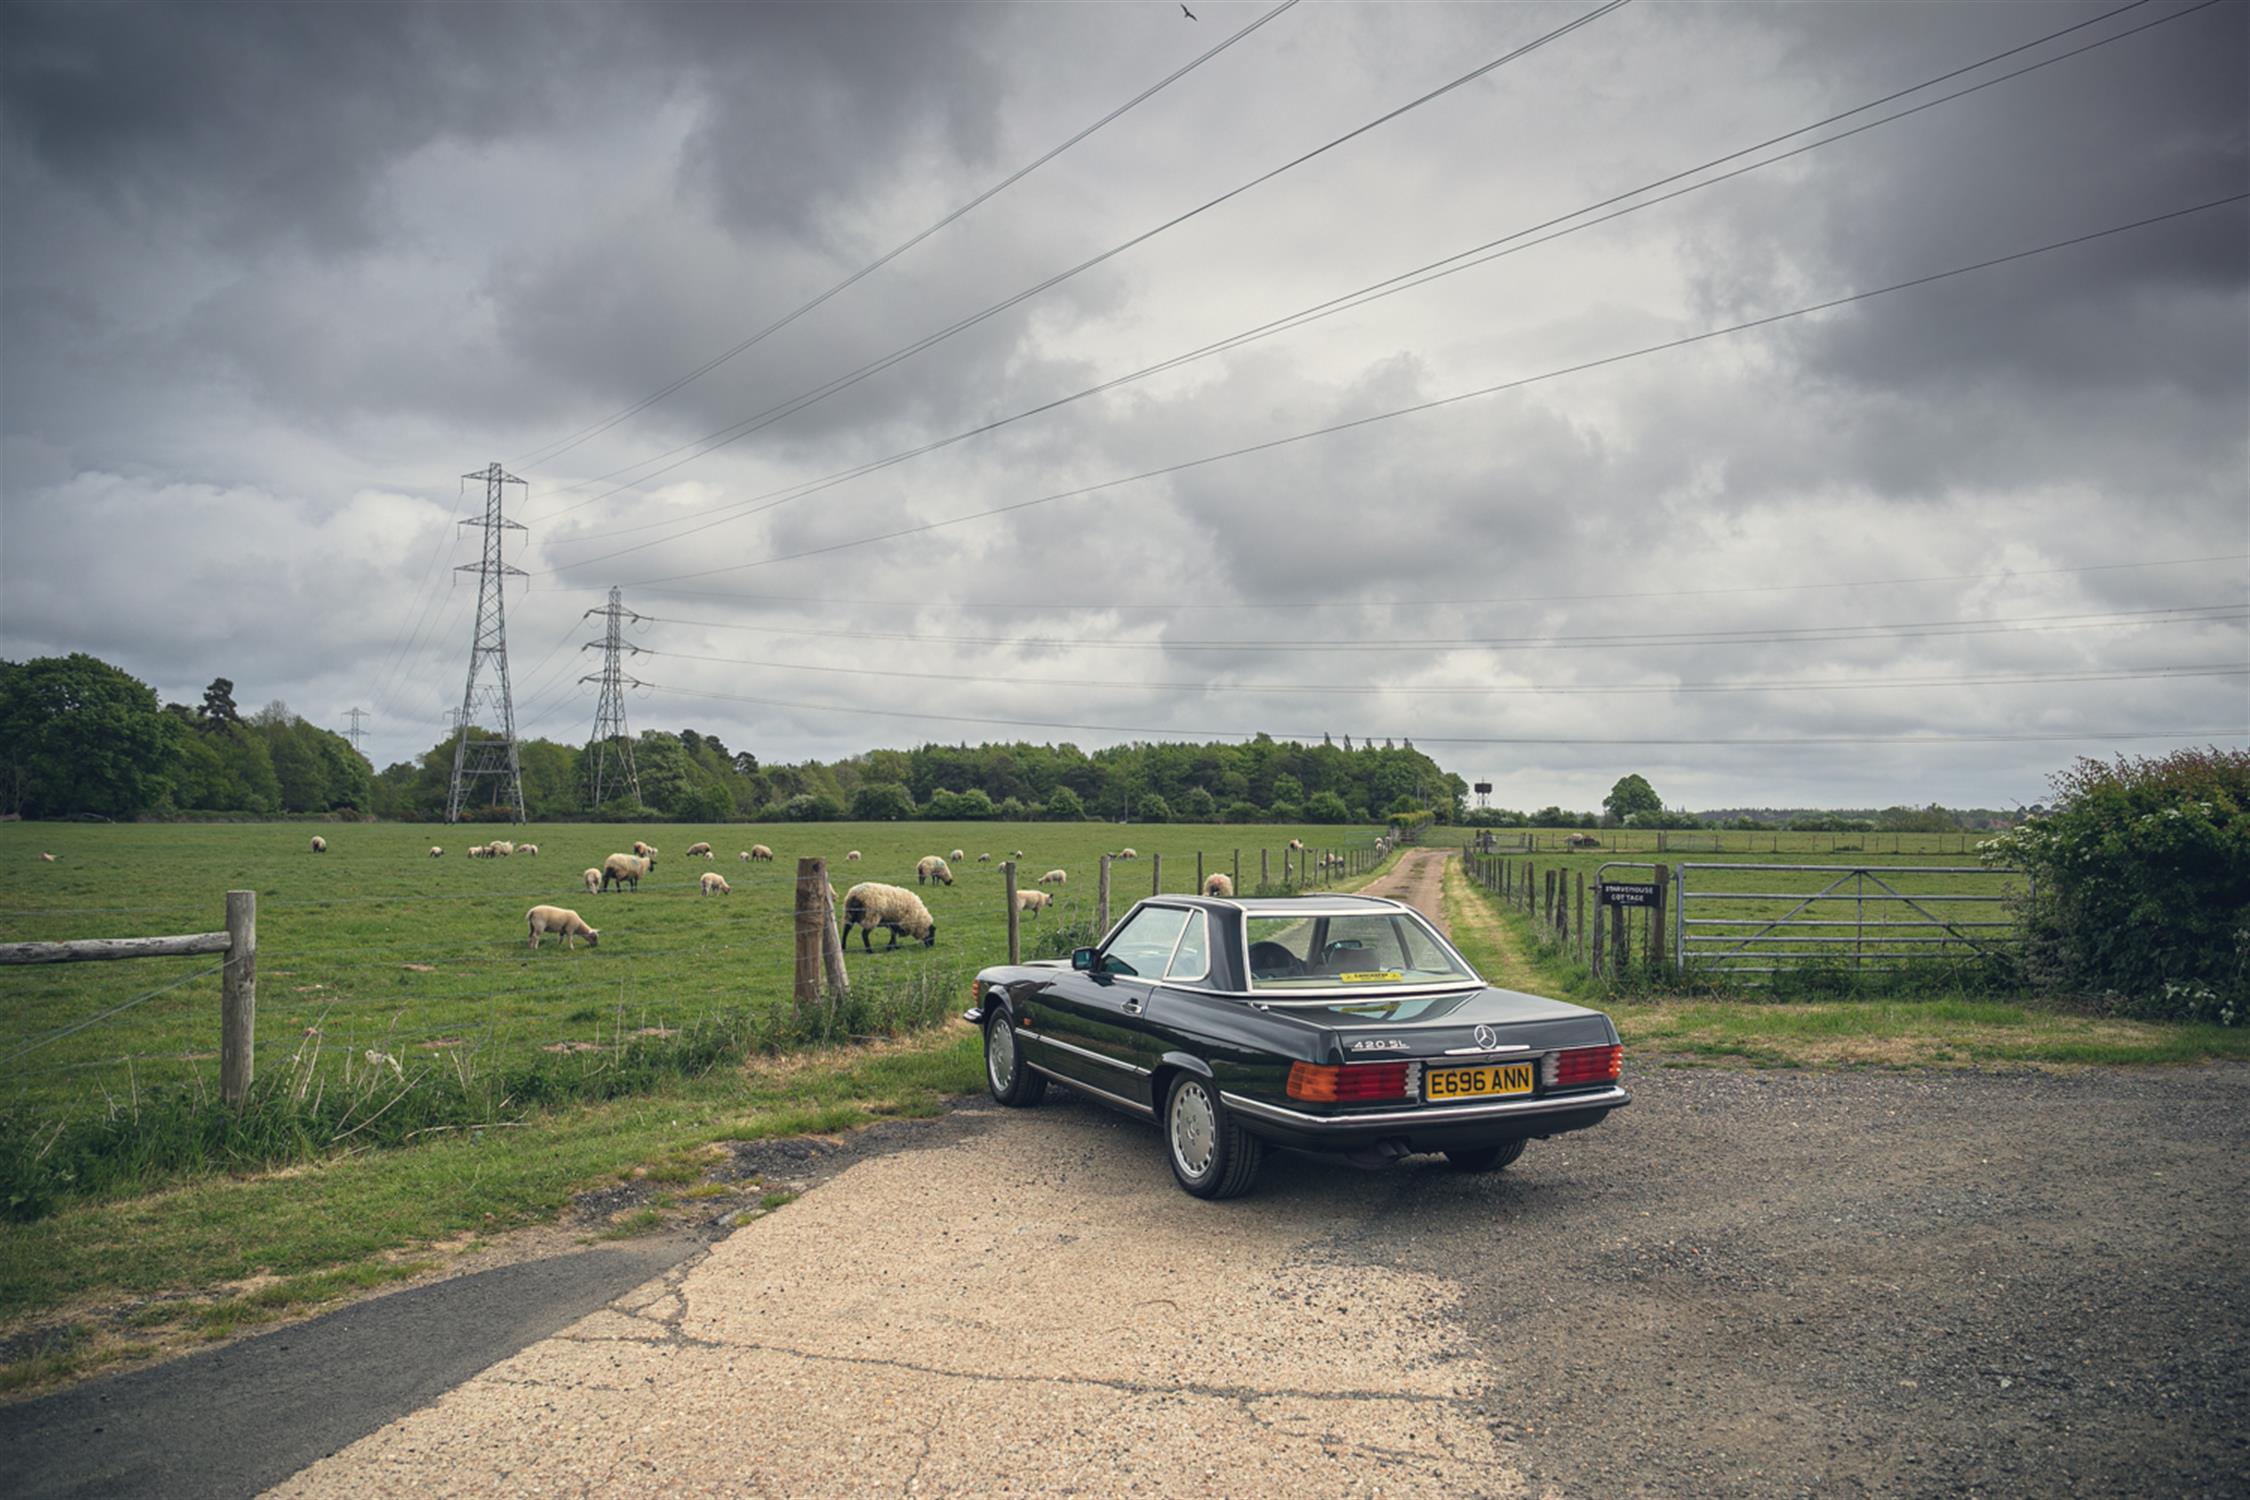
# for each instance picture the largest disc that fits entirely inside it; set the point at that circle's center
(1431, 1115)
(1085, 1052)
(1084, 1087)
(1485, 1051)
(1370, 994)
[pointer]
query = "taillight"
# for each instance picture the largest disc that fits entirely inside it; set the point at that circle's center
(1581, 1065)
(1353, 1083)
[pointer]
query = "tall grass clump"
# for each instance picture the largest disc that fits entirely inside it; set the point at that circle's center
(329, 1099)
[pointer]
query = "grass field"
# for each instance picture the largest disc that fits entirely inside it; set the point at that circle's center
(1959, 847)
(378, 965)
(1928, 1028)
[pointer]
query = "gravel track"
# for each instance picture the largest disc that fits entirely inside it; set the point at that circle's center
(1748, 1283)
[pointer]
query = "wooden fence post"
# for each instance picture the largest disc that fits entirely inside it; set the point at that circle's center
(1598, 928)
(1238, 872)
(238, 998)
(1101, 901)
(806, 935)
(1156, 873)
(1199, 872)
(833, 974)
(1265, 870)
(1656, 917)
(1015, 924)
(1581, 916)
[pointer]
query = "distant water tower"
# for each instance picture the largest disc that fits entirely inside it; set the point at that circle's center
(1484, 795)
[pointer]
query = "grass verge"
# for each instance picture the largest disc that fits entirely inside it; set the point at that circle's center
(1900, 1031)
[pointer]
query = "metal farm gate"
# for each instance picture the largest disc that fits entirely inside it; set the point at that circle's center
(1764, 919)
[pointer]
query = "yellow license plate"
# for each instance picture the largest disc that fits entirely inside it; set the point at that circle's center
(1471, 1083)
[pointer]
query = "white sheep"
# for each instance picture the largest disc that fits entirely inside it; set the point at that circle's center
(759, 851)
(984, 859)
(715, 884)
(1218, 883)
(436, 852)
(593, 882)
(702, 848)
(1034, 901)
(870, 905)
(1296, 843)
(561, 920)
(500, 848)
(957, 856)
(1054, 877)
(624, 870)
(320, 845)
(532, 849)
(1128, 852)
(930, 867)
(645, 851)
(1017, 855)
(853, 856)
(46, 858)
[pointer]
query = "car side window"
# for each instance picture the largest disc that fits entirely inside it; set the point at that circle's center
(1192, 959)
(1144, 944)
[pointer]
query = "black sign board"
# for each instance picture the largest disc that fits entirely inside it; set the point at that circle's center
(1613, 893)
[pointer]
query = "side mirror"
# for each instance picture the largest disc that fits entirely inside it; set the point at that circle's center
(1082, 959)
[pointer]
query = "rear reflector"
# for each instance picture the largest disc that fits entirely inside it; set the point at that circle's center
(1353, 1083)
(1581, 1065)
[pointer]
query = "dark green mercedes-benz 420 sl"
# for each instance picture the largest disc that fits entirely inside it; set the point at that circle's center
(1343, 1024)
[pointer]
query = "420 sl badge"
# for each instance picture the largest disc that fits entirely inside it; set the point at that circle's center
(1379, 1044)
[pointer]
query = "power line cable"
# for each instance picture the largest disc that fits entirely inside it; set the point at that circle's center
(1013, 605)
(2180, 614)
(1420, 276)
(553, 451)
(1457, 398)
(850, 378)
(1762, 741)
(1528, 689)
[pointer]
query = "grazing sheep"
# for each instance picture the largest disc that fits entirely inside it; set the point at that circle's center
(715, 884)
(1296, 843)
(854, 855)
(1053, 877)
(593, 882)
(930, 867)
(320, 845)
(759, 851)
(1128, 852)
(562, 920)
(47, 858)
(870, 905)
(1034, 901)
(957, 856)
(1219, 883)
(478, 851)
(645, 851)
(984, 859)
(527, 849)
(500, 847)
(1583, 841)
(1017, 855)
(436, 852)
(624, 870)
(702, 848)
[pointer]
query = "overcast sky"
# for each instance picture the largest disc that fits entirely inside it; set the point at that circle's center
(273, 279)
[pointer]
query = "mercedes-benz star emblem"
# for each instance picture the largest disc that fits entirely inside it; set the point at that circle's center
(1486, 1038)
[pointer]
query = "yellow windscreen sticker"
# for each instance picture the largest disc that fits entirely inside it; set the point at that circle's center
(1372, 976)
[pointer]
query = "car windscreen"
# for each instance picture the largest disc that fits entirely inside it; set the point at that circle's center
(1346, 952)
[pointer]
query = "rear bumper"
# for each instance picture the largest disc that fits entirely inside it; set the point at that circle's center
(1441, 1128)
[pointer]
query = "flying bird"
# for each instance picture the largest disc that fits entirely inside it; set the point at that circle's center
(1191, 15)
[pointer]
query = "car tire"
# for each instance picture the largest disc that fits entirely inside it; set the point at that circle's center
(1011, 1079)
(1212, 1156)
(1485, 1158)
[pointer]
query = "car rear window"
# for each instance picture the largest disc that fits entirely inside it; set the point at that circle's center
(1347, 952)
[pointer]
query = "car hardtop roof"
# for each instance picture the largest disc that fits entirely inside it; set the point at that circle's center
(1284, 906)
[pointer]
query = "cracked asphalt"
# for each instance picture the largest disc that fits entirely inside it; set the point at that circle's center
(1746, 1284)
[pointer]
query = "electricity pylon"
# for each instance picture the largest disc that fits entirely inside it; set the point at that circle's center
(609, 713)
(356, 733)
(489, 757)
